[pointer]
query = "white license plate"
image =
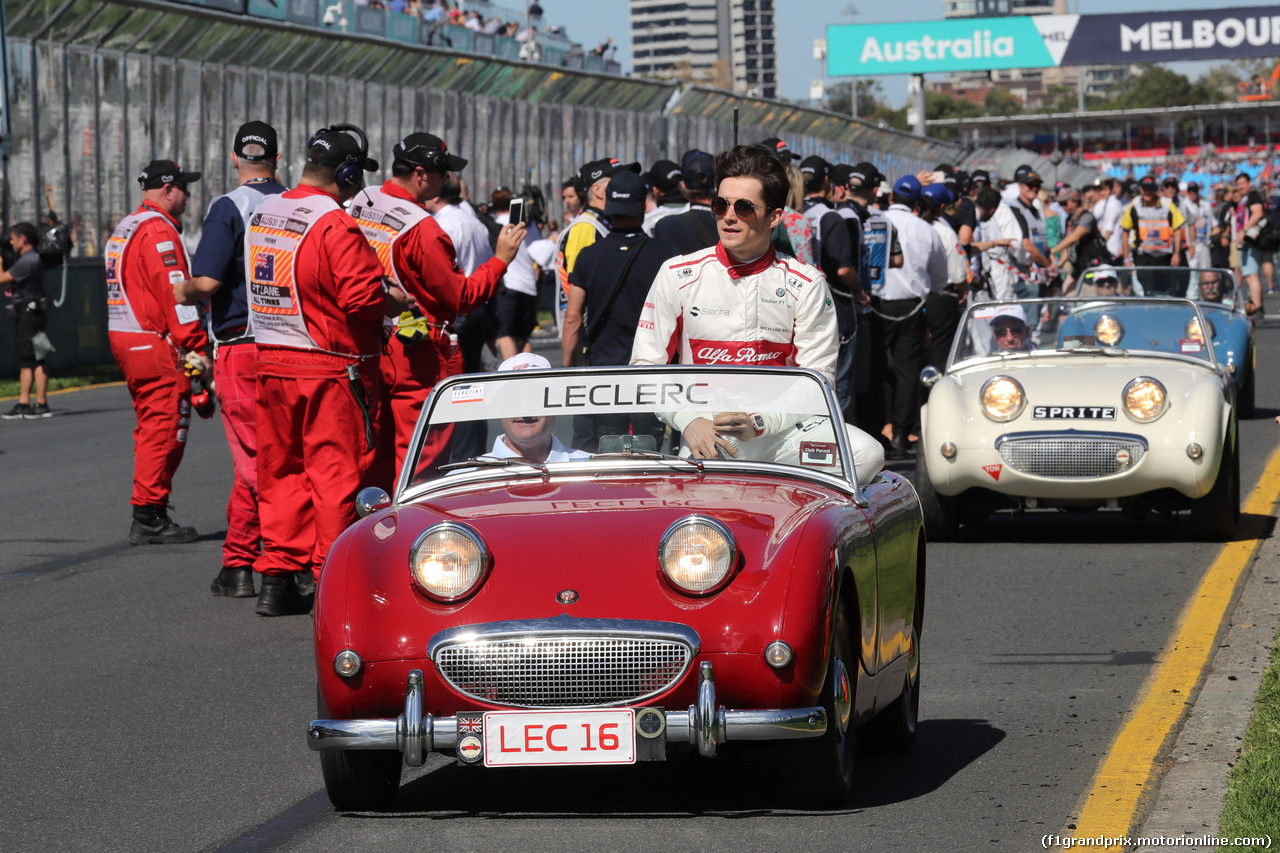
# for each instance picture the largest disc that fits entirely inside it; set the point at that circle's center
(556, 738)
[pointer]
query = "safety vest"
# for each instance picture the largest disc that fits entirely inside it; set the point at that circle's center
(1155, 228)
(383, 220)
(276, 230)
(120, 316)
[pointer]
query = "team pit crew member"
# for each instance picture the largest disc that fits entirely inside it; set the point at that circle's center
(317, 299)
(150, 338)
(1153, 229)
(419, 257)
(217, 278)
(769, 310)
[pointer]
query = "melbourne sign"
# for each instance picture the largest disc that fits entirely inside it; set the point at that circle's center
(1042, 41)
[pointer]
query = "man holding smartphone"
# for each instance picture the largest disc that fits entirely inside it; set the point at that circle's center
(517, 299)
(419, 257)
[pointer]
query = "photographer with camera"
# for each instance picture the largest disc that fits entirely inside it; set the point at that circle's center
(24, 286)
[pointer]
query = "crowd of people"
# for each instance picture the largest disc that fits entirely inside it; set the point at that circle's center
(326, 313)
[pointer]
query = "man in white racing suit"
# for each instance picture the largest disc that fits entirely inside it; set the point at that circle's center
(741, 303)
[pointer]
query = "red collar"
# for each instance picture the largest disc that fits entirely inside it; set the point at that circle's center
(146, 205)
(397, 191)
(303, 190)
(740, 270)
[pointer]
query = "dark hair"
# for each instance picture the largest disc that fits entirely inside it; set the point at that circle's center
(815, 184)
(403, 168)
(27, 232)
(451, 189)
(320, 173)
(501, 200)
(1244, 175)
(577, 185)
(744, 161)
(988, 199)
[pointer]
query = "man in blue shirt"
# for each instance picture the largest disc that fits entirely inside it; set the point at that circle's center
(217, 277)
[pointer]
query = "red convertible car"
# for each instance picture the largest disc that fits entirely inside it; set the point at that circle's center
(580, 595)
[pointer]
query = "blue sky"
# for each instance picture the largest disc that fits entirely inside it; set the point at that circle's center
(802, 21)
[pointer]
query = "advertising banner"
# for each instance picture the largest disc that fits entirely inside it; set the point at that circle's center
(1042, 41)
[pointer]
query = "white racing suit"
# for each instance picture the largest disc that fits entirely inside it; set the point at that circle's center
(774, 311)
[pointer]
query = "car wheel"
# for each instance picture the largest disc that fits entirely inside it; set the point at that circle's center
(1246, 396)
(893, 730)
(941, 523)
(359, 780)
(1214, 516)
(820, 770)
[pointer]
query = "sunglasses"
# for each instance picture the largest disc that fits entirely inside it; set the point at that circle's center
(1109, 283)
(1007, 331)
(742, 208)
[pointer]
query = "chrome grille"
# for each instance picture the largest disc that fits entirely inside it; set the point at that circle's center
(563, 671)
(1071, 457)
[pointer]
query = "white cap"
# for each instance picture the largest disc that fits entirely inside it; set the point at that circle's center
(1182, 186)
(525, 361)
(1014, 311)
(1103, 271)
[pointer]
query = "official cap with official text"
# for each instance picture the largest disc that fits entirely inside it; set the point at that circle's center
(598, 170)
(1027, 175)
(256, 142)
(1148, 182)
(840, 173)
(665, 176)
(161, 173)
(429, 152)
(980, 176)
(865, 175)
(338, 147)
(625, 195)
(525, 361)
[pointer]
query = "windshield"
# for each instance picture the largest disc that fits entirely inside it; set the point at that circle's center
(1035, 327)
(569, 420)
(1210, 287)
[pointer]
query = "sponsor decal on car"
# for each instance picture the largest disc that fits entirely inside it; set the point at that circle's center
(468, 394)
(994, 471)
(817, 453)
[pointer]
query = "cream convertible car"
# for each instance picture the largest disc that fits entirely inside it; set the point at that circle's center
(1049, 404)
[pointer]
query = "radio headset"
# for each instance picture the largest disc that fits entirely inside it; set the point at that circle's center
(350, 172)
(431, 159)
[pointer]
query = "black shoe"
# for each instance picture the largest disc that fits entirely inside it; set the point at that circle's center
(37, 411)
(233, 582)
(18, 412)
(152, 526)
(898, 448)
(280, 596)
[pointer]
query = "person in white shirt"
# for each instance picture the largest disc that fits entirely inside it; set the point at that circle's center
(1201, 223)
(517, 299)
(1109, 210)
(942, 307)
(900, 308)
(1001, 238)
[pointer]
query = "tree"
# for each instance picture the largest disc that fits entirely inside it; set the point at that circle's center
(1001, 102)
(1157, 86)
(870, 97)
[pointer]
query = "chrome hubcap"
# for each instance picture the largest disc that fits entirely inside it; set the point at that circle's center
(843, 697)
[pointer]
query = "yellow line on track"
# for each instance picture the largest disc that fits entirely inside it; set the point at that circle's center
(69, 390)
(1113, 804)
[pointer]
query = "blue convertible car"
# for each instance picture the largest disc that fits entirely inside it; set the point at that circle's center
(1220, 297)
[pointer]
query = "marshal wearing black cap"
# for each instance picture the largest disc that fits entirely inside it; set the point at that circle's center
(161, 173)
(346, 148)
(256, 142)
(429, 152)
(778, 148)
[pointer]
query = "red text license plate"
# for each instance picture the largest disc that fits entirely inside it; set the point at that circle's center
(553, 738)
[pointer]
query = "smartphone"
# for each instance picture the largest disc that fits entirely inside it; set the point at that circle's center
(938, 177)
(517, 211)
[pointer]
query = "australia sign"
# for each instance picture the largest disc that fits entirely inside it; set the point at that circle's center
(1042, 41)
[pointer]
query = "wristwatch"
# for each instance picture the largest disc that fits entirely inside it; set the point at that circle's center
(757, 423)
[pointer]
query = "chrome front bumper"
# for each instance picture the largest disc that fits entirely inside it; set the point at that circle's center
(705, 725)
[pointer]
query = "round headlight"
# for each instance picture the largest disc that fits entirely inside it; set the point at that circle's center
(1195, 333)
(697, 554)
(448, 561)
(1002, 398)
(1108, 330)
(1145, 399)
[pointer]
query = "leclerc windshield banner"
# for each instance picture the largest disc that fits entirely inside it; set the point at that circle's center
(1042, 41)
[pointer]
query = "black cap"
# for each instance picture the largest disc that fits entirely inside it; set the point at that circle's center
(778, 148)
(599, 169)
(815, 168)
(980, 175)
(1169, 181)
(953, 183)
(698, 164)
(865, 175)
(1027, 175)
(429, 152)
(840, 173)
(1060, 185)
(161, 173)
(1148, 182)
(1192, 185)
(665, 176)
(256, 142)
(625, 195)
(339, 147)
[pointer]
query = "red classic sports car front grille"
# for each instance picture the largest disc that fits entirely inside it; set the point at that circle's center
(551, 672)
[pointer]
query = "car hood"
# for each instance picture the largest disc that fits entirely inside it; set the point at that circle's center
(597, 537)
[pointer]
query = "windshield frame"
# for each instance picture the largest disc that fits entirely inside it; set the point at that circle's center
(1142, 301)
(407, 491)
(1238, 292)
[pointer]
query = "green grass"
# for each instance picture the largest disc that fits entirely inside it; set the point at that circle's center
(90, 375)
(1252, 808)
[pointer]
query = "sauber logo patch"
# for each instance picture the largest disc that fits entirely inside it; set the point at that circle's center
(994, 471)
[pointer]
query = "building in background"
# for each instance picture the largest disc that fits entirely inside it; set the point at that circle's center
(730, 44)
(1032, 86)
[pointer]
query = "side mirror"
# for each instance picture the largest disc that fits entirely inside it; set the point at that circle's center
(930, 376)
(370, 500)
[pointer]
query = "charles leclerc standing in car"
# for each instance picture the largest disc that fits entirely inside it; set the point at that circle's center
(701, 305)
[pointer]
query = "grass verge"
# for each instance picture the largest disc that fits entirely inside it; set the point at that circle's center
(1252, 807)
(91, 375)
